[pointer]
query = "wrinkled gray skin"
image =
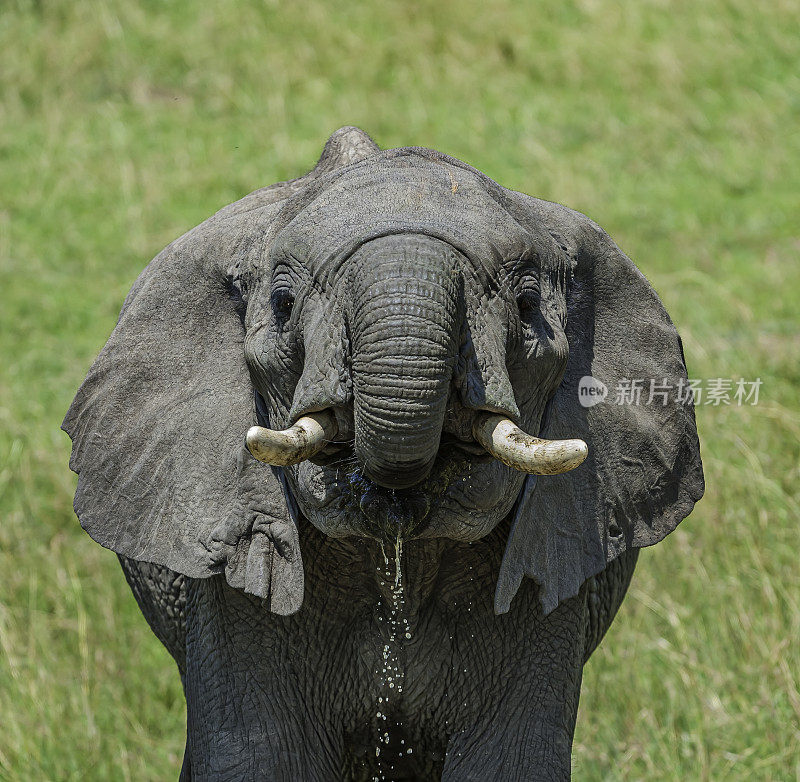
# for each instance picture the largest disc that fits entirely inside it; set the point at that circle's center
(406, 292)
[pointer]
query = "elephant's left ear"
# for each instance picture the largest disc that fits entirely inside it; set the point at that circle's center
(625, 393)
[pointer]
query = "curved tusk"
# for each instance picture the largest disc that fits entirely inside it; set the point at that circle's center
(293, 445)
(510, 445)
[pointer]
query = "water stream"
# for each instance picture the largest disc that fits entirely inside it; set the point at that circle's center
(395, 631)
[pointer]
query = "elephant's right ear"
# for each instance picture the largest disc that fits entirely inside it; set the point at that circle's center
(158, 426)
(158, 430)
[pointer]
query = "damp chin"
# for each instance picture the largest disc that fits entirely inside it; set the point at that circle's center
(464, 500)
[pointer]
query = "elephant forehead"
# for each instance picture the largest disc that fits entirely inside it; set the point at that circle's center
(395, 195)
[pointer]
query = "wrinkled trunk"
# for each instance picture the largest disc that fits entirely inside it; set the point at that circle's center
(404, 324)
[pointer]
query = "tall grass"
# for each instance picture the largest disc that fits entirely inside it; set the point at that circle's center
(673, 124)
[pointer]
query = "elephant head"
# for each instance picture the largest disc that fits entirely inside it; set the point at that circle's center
(393, 331)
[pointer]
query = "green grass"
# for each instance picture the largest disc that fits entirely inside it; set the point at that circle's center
(673, 124)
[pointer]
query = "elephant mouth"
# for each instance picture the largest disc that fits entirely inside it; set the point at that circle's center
(388, 514)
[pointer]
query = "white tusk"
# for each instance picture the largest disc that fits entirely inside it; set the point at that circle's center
(295, 444)
(510, 445)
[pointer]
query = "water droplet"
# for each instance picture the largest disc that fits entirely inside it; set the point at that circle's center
(398, 553)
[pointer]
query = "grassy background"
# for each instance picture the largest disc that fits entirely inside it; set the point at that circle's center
(673, 124)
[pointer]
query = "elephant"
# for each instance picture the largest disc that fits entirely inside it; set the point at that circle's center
(337, 442)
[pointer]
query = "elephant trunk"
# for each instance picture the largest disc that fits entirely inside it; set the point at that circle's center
(404, 327)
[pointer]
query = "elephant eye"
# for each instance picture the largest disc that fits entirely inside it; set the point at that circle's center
(528, 304)
(282, 302)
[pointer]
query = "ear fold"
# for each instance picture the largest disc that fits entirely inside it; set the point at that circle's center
(158, 425)
(643, 474)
